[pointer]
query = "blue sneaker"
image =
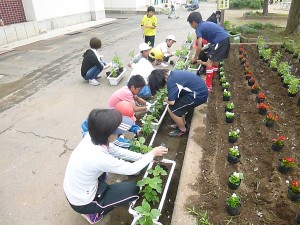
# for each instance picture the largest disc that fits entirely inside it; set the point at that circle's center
(93, 218)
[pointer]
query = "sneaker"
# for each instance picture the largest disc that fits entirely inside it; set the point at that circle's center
(177, 133)
(93, 82)
(93, 218)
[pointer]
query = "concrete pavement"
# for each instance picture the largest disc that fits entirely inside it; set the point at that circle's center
(43, 102)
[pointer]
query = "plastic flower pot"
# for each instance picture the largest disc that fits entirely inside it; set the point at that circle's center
(293, 196)
(228, 110)
(283, 169)
(260, 100)
(270, 123)
(233, 211)
(254, 91)
(229, 120)
(292, 95)
(247, 77)
(251, 82)
(233, 186)
(262, 111)
(226, 98)
(298, 217)
(277, 148)
(233, 159)
(285, 85)
(232, 139)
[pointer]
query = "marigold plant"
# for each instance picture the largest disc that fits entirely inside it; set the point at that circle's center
(288, 162)
(261, 95)
(250, 72)
(263, 106)
(251, 79)
(271, 117)
(255, 87)
(295, 186)
(279, 141)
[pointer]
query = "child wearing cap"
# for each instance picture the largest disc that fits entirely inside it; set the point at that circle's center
(220, 44)
(144, 67)
(165, 46)
(144, 53)
(148, 25)
(86, 190)
(185, 92)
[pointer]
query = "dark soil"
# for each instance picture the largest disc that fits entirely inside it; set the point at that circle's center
(264, 190)
(176, 152)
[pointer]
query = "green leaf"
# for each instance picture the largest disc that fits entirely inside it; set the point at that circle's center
(155, 213)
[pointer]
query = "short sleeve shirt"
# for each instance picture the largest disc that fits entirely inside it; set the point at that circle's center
(123, 94)
(211, 32)
(181, 83)
(163, 47)
(149, 21)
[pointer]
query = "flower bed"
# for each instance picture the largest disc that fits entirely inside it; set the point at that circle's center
(264, 191)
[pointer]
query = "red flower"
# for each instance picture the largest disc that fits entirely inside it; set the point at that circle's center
(255, 87)
(262, 106)
(279, 141)
(271, 117)
(295, 187)
(261, 95)
(251, 79)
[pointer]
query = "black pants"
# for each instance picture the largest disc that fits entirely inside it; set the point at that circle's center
(115, 195)
(150, 40)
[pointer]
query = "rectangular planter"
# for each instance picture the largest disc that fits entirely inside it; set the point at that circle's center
(155, 126)
(115, 80)
(194, 69)
(135, 214)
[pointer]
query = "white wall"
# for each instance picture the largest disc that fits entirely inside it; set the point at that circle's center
(46, 9)
(124, 4)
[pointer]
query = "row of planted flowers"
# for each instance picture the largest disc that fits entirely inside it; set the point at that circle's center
(285, 165)
(285, 70)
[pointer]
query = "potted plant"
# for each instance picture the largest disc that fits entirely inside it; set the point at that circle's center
(226, 95)
(255, 88)
(260, 97)
(286, 164)
(234, 35)
(234, 155)
(229, 117)
(117, 71)
(273, 64)
(229, 107)
(223, 80)
(278, 143)
(262, 108)
(267, 54)
(251, 81)
(233, 135)
(233, 203)
(234, 180)
(294, 191)
(293, 87)
(225, 85)
(147, 215)
(270, 120)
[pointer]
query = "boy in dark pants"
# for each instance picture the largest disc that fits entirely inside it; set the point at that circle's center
(185, 92)
(219, 40)
(148, 25)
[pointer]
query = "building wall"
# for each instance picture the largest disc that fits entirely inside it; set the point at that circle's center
(125, 4)
(11, 11)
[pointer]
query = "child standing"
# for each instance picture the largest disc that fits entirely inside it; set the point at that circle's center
(92, 64)
(148, 25)
(219, 40)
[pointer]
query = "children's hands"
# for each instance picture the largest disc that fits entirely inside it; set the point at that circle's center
(159, 151)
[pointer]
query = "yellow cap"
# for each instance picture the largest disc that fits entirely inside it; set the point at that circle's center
(156, 54)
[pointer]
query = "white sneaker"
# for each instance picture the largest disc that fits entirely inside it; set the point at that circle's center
(93, 82)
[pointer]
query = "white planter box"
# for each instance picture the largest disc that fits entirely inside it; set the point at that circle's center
(135, 214)
(186, 58)
(155, 126)
(187, 45)
(115, 80)
(194, 69)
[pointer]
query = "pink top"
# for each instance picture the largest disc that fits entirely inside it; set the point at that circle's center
(123, 94)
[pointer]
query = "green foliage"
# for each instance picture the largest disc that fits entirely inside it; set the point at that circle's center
(139, 146)
(113, 72)
(234, 151)
(147, 213)
(233, 200)
(117, 60)
(294, 85)
(284, 68)
(202, 218)
(246, 29)
(236, 178)
(252, 4)
(157, 171)
(273, 63)
(151, 186)
(278, 55)
(189, 38)
(225, 85)
(147, 124)
(227, 25)
(226, 93)
(230, 105)
(267, 54)
(234, 133)
(229, 115)
(223, 79)
(180, 65)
